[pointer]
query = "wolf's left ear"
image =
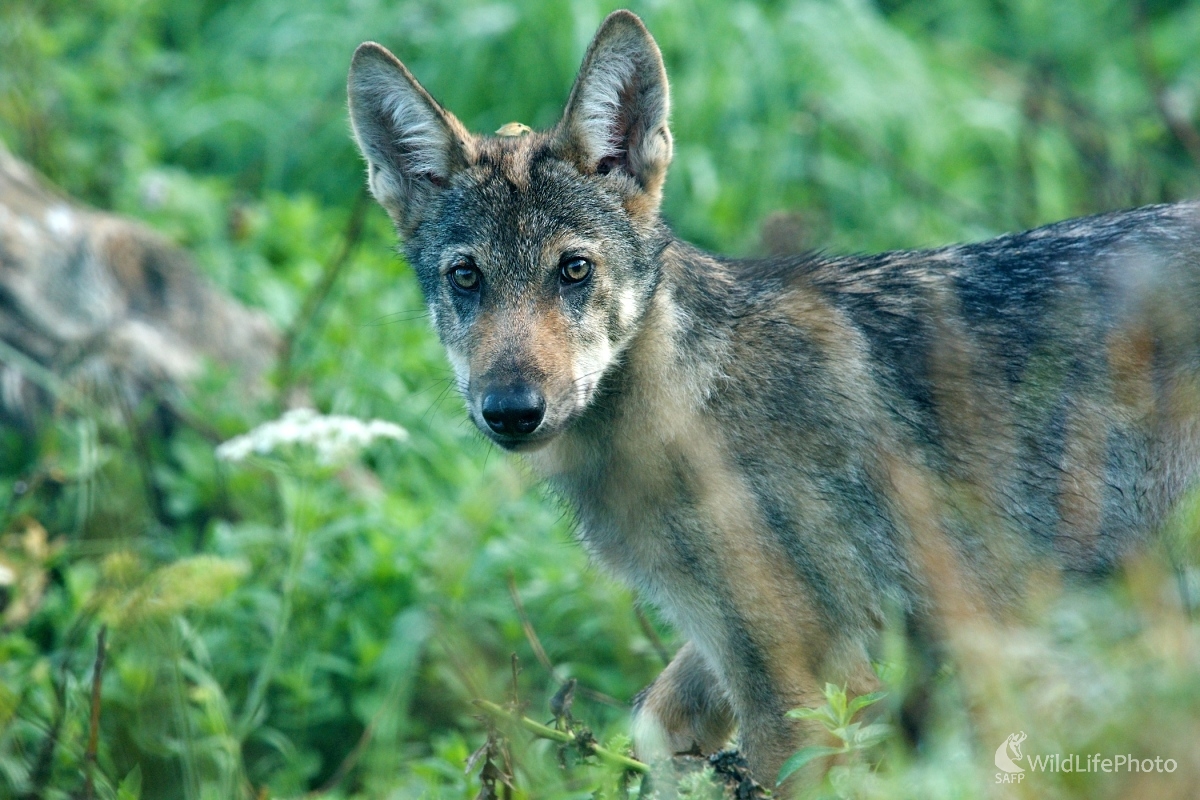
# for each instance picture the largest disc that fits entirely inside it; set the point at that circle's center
(616, 117)
(412, 145)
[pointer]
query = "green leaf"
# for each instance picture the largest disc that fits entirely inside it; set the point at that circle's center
(870, 735)
(803, 757)
(131, 785)
(836, 697)
(824, 715)
(864, 700)
(847, 732)
(808, 713)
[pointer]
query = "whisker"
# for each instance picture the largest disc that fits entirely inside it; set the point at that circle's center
(436, 403)
(435, 384)
(584, 377)
(396, 316)
(581, 384)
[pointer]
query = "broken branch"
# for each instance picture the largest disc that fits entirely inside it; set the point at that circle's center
(563, 737)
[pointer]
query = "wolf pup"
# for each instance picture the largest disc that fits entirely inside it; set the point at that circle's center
(785, 455)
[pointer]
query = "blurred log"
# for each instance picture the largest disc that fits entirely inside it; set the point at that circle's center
(107, 306)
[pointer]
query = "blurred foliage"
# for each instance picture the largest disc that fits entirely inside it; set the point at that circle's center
(273, 633)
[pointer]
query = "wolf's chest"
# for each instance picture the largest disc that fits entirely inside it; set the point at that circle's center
(640, 517)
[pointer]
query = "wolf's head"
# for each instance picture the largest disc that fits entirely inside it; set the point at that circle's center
(537, 252)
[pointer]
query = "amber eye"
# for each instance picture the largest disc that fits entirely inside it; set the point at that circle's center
(575, 269)
(465, 276)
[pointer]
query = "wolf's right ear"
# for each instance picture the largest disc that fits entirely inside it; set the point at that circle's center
(616, 118)
(412, 145)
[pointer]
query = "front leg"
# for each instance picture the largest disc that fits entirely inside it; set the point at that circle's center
(685, 710)
(767, 737)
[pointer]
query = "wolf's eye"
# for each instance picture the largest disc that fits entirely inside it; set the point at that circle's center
(465, 276)
(575, 269)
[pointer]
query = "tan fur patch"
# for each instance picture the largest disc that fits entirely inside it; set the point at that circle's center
(1081, 487)
(825, 325)
(1130, 360)
(510, 155)
(549, 332)
(534, 339)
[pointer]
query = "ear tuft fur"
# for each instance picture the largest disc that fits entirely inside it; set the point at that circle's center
(616, 118)
(412, 145)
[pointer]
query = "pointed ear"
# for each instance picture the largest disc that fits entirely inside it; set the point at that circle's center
(412, 145)
(616, 118)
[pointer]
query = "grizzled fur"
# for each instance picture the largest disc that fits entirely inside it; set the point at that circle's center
(782, 455)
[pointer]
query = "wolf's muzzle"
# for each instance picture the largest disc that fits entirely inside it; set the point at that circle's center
(513, 410)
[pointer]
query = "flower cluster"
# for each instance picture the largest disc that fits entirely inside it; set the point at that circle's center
(333, 437)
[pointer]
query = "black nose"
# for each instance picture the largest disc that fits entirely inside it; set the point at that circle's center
(514, 410)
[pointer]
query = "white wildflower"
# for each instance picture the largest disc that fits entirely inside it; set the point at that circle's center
(333, 437)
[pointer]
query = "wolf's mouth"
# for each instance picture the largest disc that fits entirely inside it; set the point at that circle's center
(522, 444)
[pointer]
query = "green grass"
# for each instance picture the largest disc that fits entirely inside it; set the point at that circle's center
(223, 124)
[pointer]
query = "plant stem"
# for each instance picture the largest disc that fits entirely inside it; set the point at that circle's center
(89, 759)
(315, 299)
(299, 545)
(565, 737)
